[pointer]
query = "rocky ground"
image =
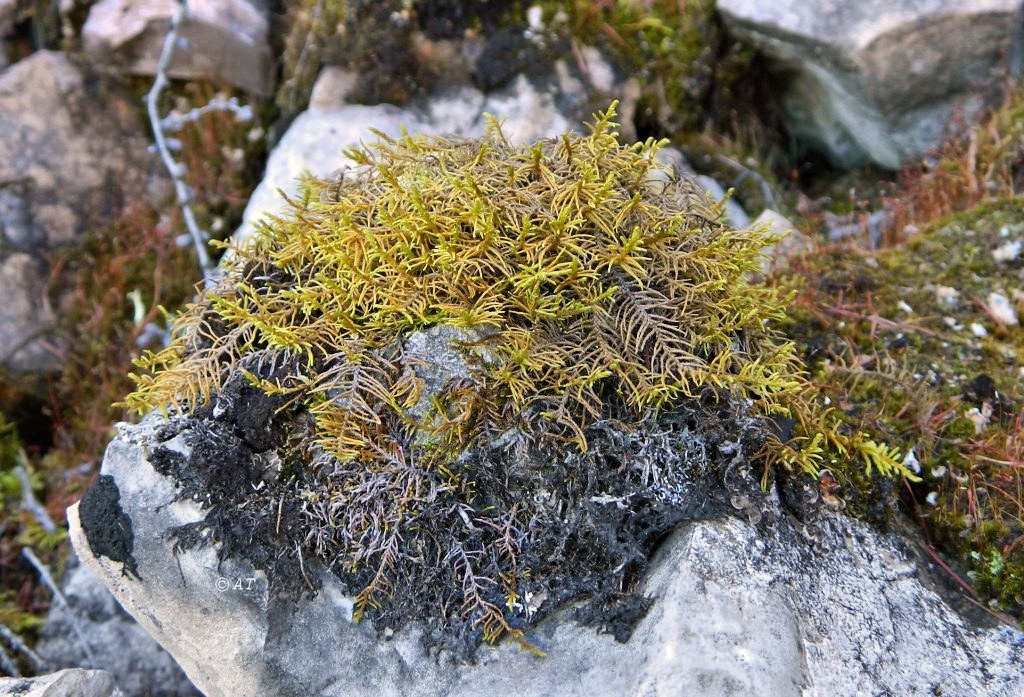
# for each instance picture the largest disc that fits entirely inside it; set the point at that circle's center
(887, 136)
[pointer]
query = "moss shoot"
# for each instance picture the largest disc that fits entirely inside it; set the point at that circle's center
(604, 319)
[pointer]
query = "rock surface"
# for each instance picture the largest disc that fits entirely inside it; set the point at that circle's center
(117, 644)
(74, 682)
(25, 315)
(833, 608)
(220, 39)
(62, 170)
(793, 241)
(880, 80)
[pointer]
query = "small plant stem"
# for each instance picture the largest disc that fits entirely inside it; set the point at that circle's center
(17, 644)
(29, 502)
(47, 579)
(174, 168)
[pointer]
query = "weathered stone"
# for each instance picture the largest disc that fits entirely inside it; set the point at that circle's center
(316, 139)
(62, 172)
(220, 39)
(792, 243)
(74, 682)
(12, 12)
(61, 168)
(116, 642)
(881, 80)
(25, 316)
(833, 608)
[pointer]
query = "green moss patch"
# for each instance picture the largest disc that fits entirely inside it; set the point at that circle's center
(922, 347)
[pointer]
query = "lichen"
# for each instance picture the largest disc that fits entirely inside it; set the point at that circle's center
(599, 299)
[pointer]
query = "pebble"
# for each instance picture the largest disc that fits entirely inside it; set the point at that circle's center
(1007, 252)
(1001, 310)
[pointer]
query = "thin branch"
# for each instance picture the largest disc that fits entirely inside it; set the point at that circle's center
(174, 168)
(29, 502)
(47, 579)
(175, 122)
(745, 172)
(7, 665)
(18, 645)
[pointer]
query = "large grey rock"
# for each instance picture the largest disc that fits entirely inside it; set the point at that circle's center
(219, 39)
(881, 80)
(74, 682)
(833, 609)
(316, 139)
(61, 168)
(62, 171)
(116, 642)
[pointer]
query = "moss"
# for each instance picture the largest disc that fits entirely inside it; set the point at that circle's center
(907, 346)
(601, 308)
(998, 578)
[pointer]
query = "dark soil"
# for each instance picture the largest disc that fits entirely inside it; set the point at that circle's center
(107, 527)
(584, 524)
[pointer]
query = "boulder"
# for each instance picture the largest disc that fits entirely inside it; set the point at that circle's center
(220, 39)
(529, 110)
(62, 171)
(775, 607)
(882, 81)
(116, 642)
(74, 682)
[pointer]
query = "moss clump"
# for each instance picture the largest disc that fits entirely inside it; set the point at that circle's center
(605, 322)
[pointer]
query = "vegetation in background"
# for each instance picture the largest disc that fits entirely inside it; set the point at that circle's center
(919, 343)
(109, 288)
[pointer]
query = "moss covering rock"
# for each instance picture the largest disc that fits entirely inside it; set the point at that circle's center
(599, 319)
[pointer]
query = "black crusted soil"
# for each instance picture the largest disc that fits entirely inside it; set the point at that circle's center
(107, 527)
(572, 526)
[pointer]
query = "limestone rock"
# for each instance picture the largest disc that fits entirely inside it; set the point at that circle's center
(62, 171)
(25, 316)
(529, 111)
(792, 244)
(220, 39)
(61, 167)
(881, 80)
(74, 682)
(117, 644)
(835, 608)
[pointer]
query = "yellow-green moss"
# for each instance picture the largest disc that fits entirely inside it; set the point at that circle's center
(592, 286)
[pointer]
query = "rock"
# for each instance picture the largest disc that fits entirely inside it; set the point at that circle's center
(830, 608)
(74, 682)
(117, 644)
(734, 213)
(881, 81)
(220, 39)
(62, 172)
(12, 12)
(792, 244)
(432, 355)
(529, 111)
(25, 315)
(61, 168)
